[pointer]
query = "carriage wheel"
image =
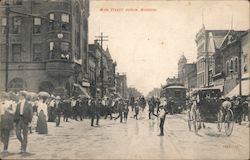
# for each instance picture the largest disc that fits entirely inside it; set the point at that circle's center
(229, 122)
(189, 121)
(196, 122)
(219, 121)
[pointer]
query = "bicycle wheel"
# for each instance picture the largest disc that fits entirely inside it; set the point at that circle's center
(219, 121)
(229, 122)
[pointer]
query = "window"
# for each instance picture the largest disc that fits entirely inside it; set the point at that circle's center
(37, 56)
(3, 52)
(177, 94)
(64, 50)
(16, 52)
(16, 25)
(17, 84)
(65, 18)
(51, 22)
(64, 46)
(236, 65)
(3, 25)
(65, 22)
(227, 67)
(51, 46)
(37, 26)
(231, 65)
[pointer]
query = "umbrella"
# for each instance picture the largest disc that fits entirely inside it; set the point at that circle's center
(44, 94)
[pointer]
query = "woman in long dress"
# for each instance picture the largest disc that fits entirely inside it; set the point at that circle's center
(42, 127)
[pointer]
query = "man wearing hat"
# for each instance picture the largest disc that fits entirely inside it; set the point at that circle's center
(58, 110)
(162, 116)
(22, 118)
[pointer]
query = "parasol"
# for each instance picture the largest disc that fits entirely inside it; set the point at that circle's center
(43, 94)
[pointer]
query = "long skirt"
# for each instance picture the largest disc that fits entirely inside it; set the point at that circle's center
(42, 127)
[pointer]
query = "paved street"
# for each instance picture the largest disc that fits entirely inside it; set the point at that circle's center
(136, 139)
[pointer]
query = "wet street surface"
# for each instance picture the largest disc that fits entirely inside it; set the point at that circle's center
(136, 139)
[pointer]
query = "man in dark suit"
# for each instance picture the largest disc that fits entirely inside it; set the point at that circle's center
(23, 117)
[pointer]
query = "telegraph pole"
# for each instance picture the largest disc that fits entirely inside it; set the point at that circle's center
(7, 12)
(102, 38)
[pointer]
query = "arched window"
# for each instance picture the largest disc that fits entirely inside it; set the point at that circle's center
(231, 65)
(17, 84)
(46, 86)
(236, 65)
(227, 67)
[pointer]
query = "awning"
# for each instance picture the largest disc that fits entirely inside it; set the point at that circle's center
(245, 90)
(82, 89)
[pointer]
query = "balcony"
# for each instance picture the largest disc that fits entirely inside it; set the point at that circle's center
(60, 68)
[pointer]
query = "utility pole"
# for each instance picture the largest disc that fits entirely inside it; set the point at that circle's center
(102, 38)
(239, 72)
(7, 12)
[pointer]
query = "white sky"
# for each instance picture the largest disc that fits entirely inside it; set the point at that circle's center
(148, 45)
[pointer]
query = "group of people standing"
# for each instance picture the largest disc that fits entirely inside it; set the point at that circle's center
(17, 111)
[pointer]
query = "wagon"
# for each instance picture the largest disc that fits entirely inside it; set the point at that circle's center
(208, 109)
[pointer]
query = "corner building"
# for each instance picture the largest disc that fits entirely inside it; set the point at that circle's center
(47, 45)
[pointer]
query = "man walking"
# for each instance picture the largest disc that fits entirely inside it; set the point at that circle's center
(120, 110)
(23, 117)
(162, 116)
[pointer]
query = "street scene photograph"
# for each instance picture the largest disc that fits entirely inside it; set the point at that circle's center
(125, 79)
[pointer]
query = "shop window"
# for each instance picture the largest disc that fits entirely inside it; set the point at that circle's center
(16, 51)
(37, 26)
(37, 56)
(16, 25)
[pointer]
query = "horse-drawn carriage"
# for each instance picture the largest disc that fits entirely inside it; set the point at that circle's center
(206, 107)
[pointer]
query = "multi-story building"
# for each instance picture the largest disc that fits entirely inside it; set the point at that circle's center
(208, 43)
(101, 61)
(181, 64)
(233, 56)
(121, 84)
(190, 76)
(46, 45)
(131, 91)
(154, 93)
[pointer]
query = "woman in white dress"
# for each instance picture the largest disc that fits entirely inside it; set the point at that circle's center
(42, 127)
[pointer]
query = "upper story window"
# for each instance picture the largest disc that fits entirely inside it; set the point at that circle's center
(236, 65)
(227, 67)
(37, 26)
(17, 2)
(3, 25)
(231, 65)
(52, 22)
(16, 51)
(16, 25)
(37, 56)
(65, 21)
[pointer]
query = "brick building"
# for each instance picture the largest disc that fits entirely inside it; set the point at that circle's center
(47, 48)
(208, 43)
